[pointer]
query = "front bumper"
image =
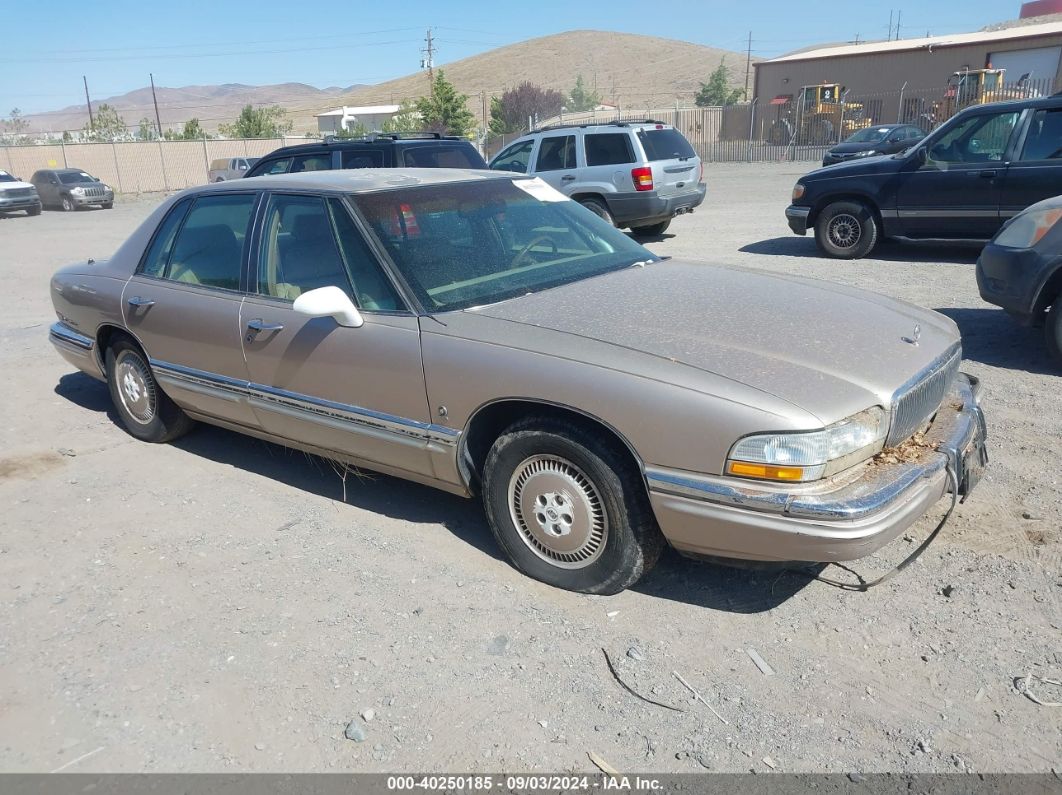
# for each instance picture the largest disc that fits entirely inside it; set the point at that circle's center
(797, 218)
(76, 348)
(1012, 278)
(83, 200)
(841, 519)
(646, 207)
(20, 203)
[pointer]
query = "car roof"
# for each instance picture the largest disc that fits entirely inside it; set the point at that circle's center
(1053, 101)
(359, 180)
(358, 143)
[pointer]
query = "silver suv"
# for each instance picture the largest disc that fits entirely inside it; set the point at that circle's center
(634, 174)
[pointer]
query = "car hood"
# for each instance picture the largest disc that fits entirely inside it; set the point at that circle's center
(858, 167)
(828, 349)
(843, 149)
(10, 185)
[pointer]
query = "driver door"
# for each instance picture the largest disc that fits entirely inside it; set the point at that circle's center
(357, 391)
(956, 192)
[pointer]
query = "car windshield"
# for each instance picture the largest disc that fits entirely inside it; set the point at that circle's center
(467, 244)
(871, 135)
(5, 177)
(74, 177)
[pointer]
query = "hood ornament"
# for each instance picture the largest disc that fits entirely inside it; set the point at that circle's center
(916, 335)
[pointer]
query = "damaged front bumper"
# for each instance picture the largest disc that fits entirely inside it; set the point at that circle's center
(842, 518)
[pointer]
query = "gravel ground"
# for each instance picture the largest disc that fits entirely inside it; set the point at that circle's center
(213, 605)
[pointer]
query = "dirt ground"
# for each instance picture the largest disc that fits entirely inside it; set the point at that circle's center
(214, 605)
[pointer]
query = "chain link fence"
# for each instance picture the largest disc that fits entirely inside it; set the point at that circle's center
(138, 166)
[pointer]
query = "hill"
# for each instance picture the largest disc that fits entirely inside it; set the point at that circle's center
(212, 105)
(627, 69)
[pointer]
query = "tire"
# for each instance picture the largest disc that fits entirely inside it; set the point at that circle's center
(67, 204)
(846, 230)
(599, 209)
(652, 230)
(1053, 329)
(108, 205)
(219, 179)
(145, 410)
(33, 211)
(596, 532)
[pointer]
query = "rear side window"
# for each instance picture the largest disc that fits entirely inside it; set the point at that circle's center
(1044, 141)
(158, 253)
(666, 144)
(556, 153)
(607, 149)
(363, 158)
(441, 157)
(208, 250)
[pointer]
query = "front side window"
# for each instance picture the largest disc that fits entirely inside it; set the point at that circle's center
(281, 166)
(299, 251)
(208, 250)
(514, 158)
(977, 139)
(466, 244)
(556, 153)
(608, 149)
(1044, 140)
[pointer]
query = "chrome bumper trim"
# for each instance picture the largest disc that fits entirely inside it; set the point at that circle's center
(792, 211)
(61, 334)
(869, 490)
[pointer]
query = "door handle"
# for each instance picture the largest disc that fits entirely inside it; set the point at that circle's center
(567, 178)
(137, 301)
(260, 325)
(990, 174)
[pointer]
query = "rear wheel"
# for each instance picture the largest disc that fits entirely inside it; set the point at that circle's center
(1053, 329)
(846, 230)
(599, 209)
(652, 230)
(145, 410)
(569, 508)
(67, 204)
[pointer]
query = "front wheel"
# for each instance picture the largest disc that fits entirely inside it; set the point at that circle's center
(108, 205)
(846, 230)
(1053, 329)
(67, 204)
(33, 211)
(569, 508)
(652, 230)
(145, 410)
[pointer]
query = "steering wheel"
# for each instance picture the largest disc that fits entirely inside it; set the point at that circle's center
(534, 242)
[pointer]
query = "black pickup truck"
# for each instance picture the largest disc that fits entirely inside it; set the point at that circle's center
(962, 182)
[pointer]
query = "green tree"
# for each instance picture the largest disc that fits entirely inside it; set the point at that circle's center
(106, 125)
(146, 131)
(582, 98)
(717, 90)
(406, 120)
(192, 131)
(266, 122)
(15, 125)
(445, 110)
(359, 130)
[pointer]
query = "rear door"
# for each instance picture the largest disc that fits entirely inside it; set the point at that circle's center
(676, 167)
(555, 161)
(956, 192)
(1036, 174)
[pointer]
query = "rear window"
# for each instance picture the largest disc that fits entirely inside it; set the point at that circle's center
(442, 157)
(666, 144)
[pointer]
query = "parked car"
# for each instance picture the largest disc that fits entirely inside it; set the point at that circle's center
(18, 195)
(983, 166)
(1021, 270)
(380, 150)
(482, 334)
(71, 188)
(229, 168)
(634, 174)
(884, 139)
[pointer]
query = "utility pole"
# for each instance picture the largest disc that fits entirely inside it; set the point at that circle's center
(890, 24)
(88, 101)
(899, 16)
(748, 65)
(429, 61)
(158, 120)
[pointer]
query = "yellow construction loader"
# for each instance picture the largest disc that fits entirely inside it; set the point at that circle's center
(820, 116)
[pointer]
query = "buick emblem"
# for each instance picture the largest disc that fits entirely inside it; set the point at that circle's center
(916, 335)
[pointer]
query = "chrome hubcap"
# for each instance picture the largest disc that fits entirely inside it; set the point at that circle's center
(558, 512)
(845, 230)
(135, 387)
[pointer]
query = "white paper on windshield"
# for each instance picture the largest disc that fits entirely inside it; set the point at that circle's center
(540, 190)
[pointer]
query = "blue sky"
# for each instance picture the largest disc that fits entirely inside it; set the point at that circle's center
(49, 46)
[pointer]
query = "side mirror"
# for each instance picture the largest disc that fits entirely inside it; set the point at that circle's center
(329, 302)
(920, 156)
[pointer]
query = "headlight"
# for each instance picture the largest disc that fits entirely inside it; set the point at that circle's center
(803, 456)
(867, 153)
(798, 191)
(1027, 229)
(78, 191)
